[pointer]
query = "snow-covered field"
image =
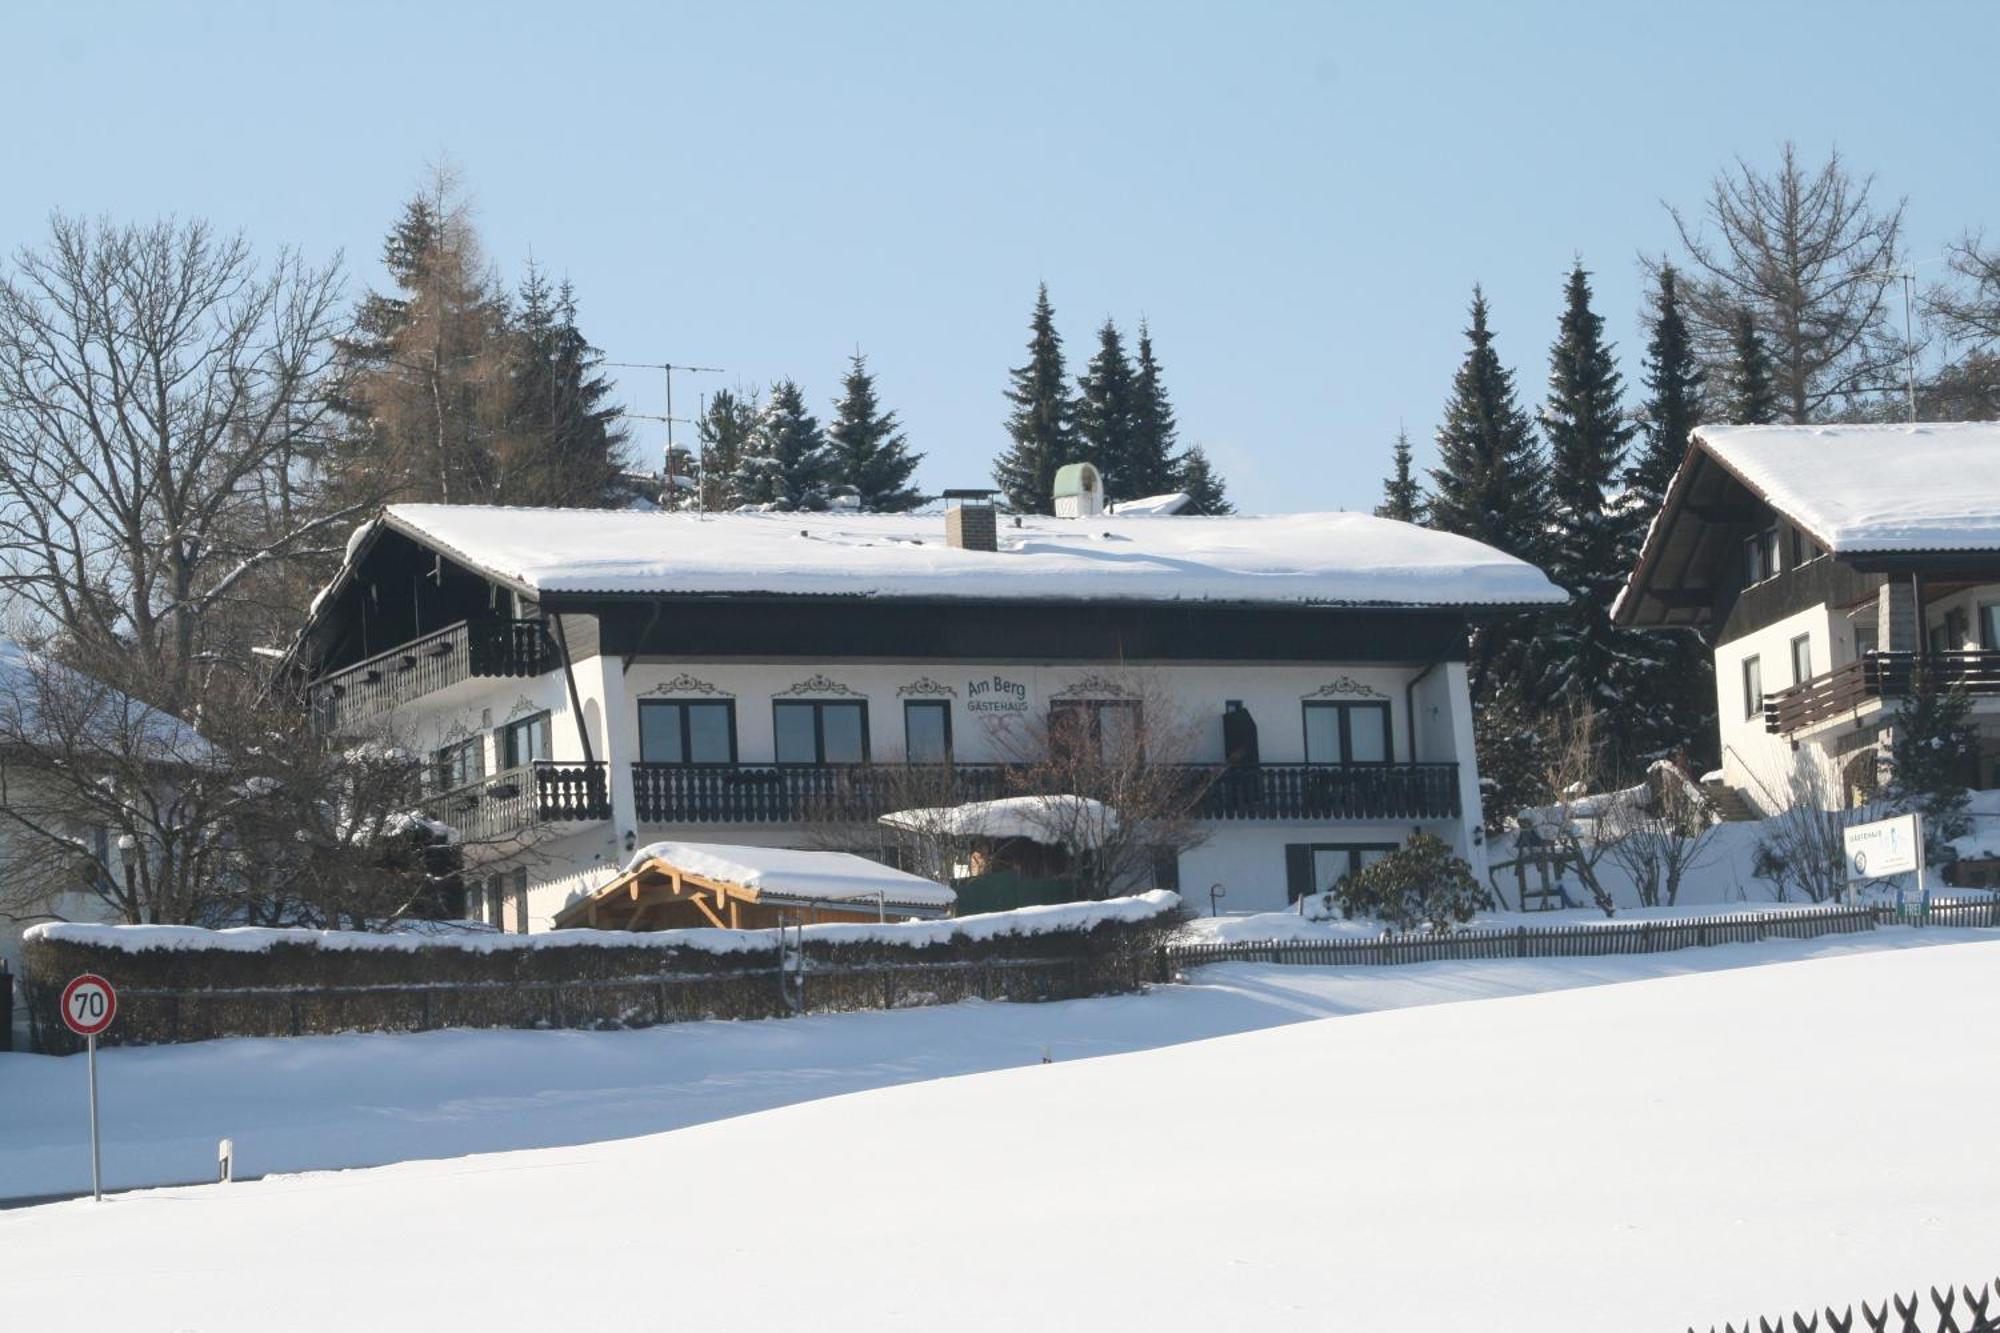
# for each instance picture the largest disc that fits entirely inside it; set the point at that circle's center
(324, 1102)
(1650, 1155)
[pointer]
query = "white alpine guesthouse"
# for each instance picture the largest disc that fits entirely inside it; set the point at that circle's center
(612, 679)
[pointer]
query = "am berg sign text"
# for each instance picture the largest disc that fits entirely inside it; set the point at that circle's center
(996, 694)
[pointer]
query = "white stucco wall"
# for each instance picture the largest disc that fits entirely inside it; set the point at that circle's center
(1247, 856)
(1754, 761)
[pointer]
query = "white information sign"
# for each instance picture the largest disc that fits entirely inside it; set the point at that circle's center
(1885, 847)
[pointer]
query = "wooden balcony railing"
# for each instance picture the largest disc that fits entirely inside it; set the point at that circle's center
(422, 666)
(517, 799)
(1877, 676)
(843, 793)
(1334, 792)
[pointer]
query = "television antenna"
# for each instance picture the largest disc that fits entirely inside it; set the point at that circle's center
(668, 368)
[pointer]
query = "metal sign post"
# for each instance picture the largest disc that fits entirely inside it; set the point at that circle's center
(89, 1003)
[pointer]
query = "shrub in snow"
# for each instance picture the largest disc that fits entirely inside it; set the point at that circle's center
(1420, 883)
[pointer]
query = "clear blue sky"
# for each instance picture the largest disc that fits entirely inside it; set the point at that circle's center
(1299, 197)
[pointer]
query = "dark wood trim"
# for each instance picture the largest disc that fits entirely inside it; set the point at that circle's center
(889, 630)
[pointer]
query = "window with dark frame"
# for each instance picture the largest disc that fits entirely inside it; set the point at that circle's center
(1760, 556)
(687, 731)
(1316, 867)
(459, 764)
(927, 731)
(1105, 728)
(1753, 687)
(1802, 659)
(1989, 626)
(524, 741)
(819, 731)
(1347, 733)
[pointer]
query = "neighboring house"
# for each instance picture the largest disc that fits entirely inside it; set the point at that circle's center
(68, 717)
(605, 680)
(1827, 564)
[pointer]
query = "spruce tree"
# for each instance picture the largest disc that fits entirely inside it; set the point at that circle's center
(1488, 485)
(1402, 497)
(563, 444)
(726, 429)
(1106, 422)
(1196, 477)
(1589, 660)
(869, 450)
(790, 467)
(1751, 399)
(1680, 685)
(1040, 425)
(1151, 467)
(1933, 758)
(1673, 379)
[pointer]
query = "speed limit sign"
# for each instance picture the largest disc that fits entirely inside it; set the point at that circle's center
(89, 1004)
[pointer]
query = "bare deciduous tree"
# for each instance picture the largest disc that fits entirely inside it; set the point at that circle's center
(1129, 753)
(1803, 850)
(157, 390)
(1659, 831)
(1805, 252)
(1574, 823)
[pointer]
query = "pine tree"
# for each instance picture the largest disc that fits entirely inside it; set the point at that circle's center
(727, 431)
(1196, 477)
(1673, 379)
(1934, 754)
(1488, 485)
(1591, 541)
(563, 444)
(1751, 399)
(1040, 425)
(869, 450)
(790, 467)
(1106, 423)
(1402, 497)
(1151, 466)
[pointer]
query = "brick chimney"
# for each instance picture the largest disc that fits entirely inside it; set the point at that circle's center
(969, 521)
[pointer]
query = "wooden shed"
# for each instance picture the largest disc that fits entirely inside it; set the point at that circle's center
(673, 885)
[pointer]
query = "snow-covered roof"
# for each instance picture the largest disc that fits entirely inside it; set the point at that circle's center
(1328, 559)
(43, 702)
(1931, 486)
(779, 872)
(1054, 820)
(1170, 503)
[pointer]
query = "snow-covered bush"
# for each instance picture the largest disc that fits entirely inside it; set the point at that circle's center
(1420, 883)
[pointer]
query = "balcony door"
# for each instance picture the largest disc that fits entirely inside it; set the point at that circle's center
(1347, 733)
(819, 731)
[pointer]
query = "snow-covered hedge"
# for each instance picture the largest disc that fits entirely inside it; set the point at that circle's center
(183, 983)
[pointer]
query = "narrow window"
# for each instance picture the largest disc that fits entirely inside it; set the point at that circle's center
(459, 764)
(524, 741)
(927, 731)
(1802, 659)
(1989, 626)
(1753, 687)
